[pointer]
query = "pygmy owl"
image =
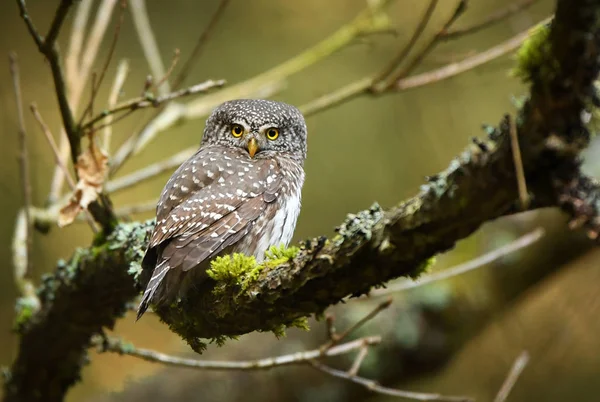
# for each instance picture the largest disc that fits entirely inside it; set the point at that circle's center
(240, 192)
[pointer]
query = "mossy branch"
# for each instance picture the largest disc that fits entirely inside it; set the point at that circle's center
(90, 292)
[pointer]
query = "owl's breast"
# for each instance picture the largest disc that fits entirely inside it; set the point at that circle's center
(276, 225)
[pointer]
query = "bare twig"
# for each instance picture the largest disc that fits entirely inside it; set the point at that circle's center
(49, 49)
(418, 59)
(362, 86)
(76, 38)
(360, 357)
(53, 146)
(149, 171)
(23, 162)
(490, 20)
(77, 83)
(23, 236)
(116, 346)
(335, 338)
(374, 386)
(263, 85)
(518, 162)
(200, 44)
(111, 50)
(467, 64)
(396, 61)
(20, 261)
(113, 97)
(59, 18)
(103, 17)
(513, 375)
(518, 244)
(149, 101)
(331, 332)
(174, 62)
(148, 42)
(59, 161)
(141, 207)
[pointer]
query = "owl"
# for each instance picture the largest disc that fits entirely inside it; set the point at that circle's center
(239, 193)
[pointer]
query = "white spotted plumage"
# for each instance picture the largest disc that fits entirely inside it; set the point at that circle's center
(225, 200)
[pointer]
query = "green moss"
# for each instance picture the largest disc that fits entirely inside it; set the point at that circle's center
(237, 269)
(535, 58)
(277, 255)
(241, 270)
(423, 268)
(279, 331)
(25, 309)
(301, 323)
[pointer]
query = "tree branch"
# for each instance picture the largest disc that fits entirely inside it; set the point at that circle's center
(264, 85)
(92, 289)
(49, 49)
(490, 20)
(117, 346)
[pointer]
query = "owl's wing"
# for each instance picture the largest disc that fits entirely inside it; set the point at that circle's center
(199, 171)
(213, 217)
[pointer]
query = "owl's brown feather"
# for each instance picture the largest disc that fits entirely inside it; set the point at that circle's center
(217, 199)
(225, 199)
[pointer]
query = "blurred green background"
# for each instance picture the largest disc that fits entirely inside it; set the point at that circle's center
(458, 337)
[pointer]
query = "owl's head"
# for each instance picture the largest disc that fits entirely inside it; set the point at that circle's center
(261, 127)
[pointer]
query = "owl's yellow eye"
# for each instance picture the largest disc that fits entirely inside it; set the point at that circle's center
(272, 133)
(237, 130)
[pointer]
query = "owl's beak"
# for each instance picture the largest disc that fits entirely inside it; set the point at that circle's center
(252, 147)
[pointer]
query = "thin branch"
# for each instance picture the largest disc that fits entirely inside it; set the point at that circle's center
(148, 42)
(149, 171)
(174, 62)
(335, 338)
(418, 59)
(518, 162)
(362, 86)
(490, 20)
(39, 41)
(59, 18)
(49, 49)
(263, 85)
(467, 64)
(139, 208)
(200, 44)
(53, 146)
(481, 261)
(112, 122)
(358, 361)
(331, 332)
(113, 97)
(396, 61)
(117, 346)
(150, 101)
(78, 83)
(76, 38)
(374, 386)
(111, 50)
(23, 165)
(513, 375)
(103, 18)
(58, 160)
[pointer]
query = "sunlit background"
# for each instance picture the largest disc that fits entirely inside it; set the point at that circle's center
(456, 337)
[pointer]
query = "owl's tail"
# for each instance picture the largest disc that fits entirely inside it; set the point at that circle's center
(158, 275)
